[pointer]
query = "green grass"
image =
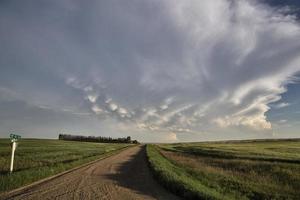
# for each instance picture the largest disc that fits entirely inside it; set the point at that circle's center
(36, 159)
(233, 170)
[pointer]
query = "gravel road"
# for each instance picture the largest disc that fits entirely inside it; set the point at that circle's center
(122, 176)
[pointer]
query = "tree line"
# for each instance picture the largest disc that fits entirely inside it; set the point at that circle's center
(99, 139)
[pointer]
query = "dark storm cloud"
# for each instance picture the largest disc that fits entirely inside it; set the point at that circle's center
(155, 69)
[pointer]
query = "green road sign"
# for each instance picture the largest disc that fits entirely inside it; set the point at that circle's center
(14, 136)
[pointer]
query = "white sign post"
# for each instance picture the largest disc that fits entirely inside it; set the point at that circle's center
(14, 139)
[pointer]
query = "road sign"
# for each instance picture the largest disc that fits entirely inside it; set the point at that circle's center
(14, 136)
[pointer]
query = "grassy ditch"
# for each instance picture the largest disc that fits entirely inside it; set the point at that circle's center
(36, 159)
(177, 179)
(231, 170)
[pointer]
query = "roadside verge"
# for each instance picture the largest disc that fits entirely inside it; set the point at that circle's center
(33, 184)
(176, 179)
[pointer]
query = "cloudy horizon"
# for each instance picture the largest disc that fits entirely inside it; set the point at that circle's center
(159, 71)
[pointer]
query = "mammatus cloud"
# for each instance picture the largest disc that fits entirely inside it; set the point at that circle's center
(172, 69)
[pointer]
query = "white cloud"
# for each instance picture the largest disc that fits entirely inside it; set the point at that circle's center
(171, 137)
(243, 50)
(167, 102)
(226, 62)
(164, 107)
(122, 111)
(97, 110)
(162, 66)
(92, 98)
(88, 89)
(281, 105)
(282, 121)
(113, 106)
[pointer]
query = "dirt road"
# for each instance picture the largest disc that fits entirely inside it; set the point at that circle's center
(122, 176)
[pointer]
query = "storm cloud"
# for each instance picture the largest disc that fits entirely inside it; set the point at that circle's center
(159, 70)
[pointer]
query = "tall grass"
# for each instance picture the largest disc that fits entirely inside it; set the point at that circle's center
(238, 170)
(177, 179)
(37, 159)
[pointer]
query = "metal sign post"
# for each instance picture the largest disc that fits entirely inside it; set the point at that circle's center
(13, 139)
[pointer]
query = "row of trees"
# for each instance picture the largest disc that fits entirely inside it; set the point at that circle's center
(99, 139)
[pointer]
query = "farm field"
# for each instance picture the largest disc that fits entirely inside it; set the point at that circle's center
(262, 169)
(36, 159)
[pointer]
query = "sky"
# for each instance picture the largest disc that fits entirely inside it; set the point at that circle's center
(157, 70)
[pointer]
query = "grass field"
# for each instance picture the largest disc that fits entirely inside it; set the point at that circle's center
(36, 159)
(229, 170)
